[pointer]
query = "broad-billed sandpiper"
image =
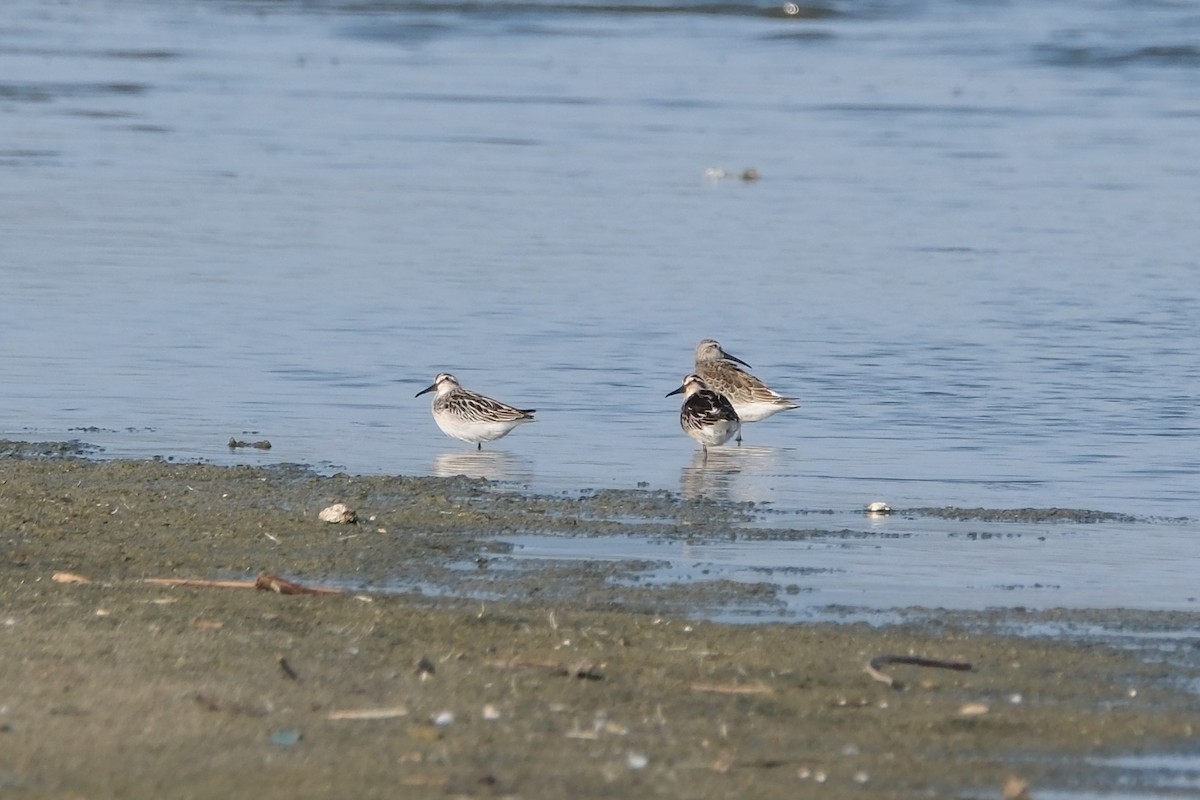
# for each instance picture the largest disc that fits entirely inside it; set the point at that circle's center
(469, 416)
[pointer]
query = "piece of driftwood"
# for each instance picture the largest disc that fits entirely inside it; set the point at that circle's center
(265, 582)
(202, 583)
(281, 586)
(69, 577)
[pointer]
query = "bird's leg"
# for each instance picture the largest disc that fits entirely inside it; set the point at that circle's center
(479, 445)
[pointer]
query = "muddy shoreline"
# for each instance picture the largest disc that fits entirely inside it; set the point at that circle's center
(495, 682)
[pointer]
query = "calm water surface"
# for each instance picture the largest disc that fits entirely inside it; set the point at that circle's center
(971, 254)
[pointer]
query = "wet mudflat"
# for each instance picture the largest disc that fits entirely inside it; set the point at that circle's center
(482, 679)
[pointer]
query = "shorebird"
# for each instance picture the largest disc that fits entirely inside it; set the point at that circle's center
(753, 400)
(469, 416)
(706, 416)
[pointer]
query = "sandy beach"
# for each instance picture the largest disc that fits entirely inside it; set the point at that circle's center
(553, 683)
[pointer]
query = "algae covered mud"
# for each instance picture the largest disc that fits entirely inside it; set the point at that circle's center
(477, 674)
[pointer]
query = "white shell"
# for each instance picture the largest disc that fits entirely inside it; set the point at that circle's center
(338, 514)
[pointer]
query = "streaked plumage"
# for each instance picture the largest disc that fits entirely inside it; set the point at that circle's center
(753, 399)
(706, 416)
(469, 416)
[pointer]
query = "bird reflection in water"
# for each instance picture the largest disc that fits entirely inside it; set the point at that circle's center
(494, 465)
(728, 473)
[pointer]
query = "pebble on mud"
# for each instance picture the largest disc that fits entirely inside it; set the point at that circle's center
(338, 514)
(1015, 789)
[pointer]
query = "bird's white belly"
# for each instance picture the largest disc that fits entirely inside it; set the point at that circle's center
(755, 411)
(713, 435)
(473, 431)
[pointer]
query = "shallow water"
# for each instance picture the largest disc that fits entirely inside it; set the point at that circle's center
(971, 253)
(902, 563)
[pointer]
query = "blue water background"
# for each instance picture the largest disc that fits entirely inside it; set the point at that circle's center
(971, 254)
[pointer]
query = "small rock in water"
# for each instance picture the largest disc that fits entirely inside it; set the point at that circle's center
(261, 444)
(338, 514)
(749, 175)
(878, 508)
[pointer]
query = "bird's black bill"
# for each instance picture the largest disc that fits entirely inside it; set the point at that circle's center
(728, 357)
(677, 391)
(426, 389)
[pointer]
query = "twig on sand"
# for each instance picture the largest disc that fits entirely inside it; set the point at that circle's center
(69, 577)
(369, 713)
(584, 670)
(288, 670)
(757, 687)
(214, 703)
(874, 665)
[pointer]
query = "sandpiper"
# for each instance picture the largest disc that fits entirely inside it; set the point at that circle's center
(469, 416)
(753, 400)
(706, 416)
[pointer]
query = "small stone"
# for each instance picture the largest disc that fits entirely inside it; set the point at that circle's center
(444, 718)
(286, 738)
(637, 761)
(878, 508)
